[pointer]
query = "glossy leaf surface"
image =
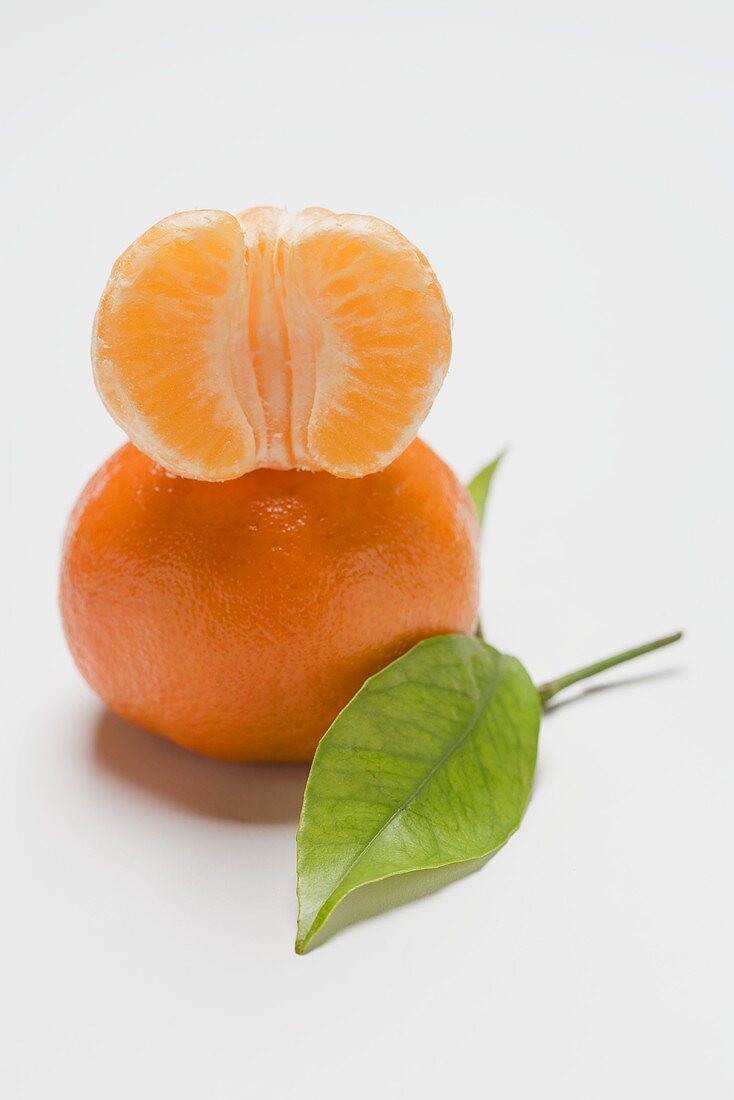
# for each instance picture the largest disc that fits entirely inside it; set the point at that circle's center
(430, 764)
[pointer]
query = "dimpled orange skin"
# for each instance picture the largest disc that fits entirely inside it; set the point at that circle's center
(238, 618)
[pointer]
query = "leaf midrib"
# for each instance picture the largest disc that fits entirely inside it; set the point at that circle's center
(414, 794)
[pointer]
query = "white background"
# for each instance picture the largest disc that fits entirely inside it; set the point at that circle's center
(567, 167)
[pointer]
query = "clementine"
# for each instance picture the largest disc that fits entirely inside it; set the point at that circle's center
(314, 341)
(238, 618)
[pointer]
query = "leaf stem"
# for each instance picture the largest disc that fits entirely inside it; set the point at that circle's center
(552, 687)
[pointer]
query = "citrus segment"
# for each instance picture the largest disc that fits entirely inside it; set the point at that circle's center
(167, 336)
(312, 341)
(385, 340)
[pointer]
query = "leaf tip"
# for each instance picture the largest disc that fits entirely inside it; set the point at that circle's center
(302, 943)
(305, 931)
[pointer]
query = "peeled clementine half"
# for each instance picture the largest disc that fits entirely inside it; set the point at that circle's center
(238, 619)
(314, 341)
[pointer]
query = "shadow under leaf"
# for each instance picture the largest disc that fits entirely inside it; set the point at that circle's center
(376, 898)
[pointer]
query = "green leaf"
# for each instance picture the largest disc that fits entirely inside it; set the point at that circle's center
(480, 485)
(430, 764)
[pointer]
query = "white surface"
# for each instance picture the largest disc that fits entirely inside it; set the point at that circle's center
(568, 169)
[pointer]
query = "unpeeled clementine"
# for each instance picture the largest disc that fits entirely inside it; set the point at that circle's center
(238, 618)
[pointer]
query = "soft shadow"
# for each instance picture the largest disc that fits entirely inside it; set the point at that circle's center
(368, 902)
(612, 685)
(249, 793)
